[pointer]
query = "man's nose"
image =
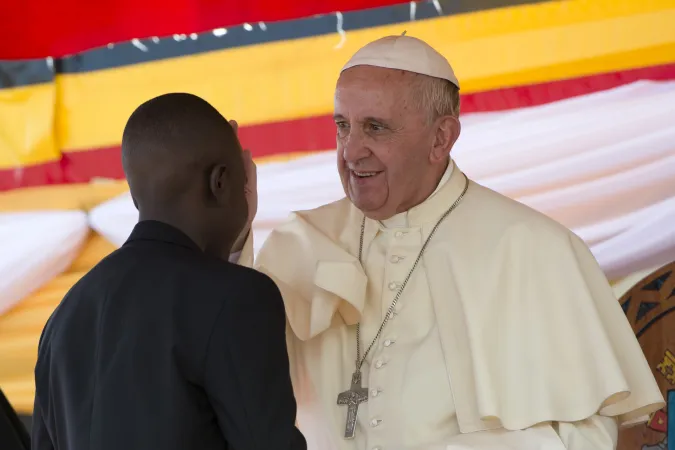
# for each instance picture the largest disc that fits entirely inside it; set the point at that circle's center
(354, 147)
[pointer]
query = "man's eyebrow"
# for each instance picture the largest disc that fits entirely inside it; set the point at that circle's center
(375, 119)
(371, 119)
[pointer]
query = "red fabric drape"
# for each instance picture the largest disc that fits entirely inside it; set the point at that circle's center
(40, 28)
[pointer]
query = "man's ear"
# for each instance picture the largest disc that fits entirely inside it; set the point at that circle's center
(219, 184)
(447, 133)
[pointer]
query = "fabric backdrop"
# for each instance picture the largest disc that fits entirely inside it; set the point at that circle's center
(602, 164)
(62, 121)
(41, 28)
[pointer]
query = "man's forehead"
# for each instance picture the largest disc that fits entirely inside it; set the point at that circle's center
(362, 96)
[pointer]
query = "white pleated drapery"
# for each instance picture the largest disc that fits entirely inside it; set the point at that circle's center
(601, 164)
(36, 247)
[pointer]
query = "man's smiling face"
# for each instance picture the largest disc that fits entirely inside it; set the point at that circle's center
(384, 140)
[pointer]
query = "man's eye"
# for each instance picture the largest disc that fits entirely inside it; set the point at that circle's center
(342, 125)
(375, 127)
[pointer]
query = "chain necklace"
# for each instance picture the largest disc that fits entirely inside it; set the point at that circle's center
(358, 394)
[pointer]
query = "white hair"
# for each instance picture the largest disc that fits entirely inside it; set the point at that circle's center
(437, 96)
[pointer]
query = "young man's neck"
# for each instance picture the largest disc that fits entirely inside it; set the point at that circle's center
(177, 221)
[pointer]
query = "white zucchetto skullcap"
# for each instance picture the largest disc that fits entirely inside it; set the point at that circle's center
(404, 53)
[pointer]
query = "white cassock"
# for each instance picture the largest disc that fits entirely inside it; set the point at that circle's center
(507, 335)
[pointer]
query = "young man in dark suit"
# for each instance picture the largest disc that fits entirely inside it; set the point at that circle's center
(163, 345)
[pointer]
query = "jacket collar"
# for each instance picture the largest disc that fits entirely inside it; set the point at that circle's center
(152, 230)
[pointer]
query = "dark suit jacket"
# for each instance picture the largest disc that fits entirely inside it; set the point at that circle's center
(162, 347)
(13, 435)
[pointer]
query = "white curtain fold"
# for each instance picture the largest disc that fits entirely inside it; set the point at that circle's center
(36, 247)
(601, 164)
(114, 219)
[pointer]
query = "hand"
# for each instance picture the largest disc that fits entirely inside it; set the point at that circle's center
(251, 191)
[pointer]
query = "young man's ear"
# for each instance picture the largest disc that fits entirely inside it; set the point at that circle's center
(219, 184)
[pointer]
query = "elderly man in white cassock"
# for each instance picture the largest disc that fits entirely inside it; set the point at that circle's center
(426, 311)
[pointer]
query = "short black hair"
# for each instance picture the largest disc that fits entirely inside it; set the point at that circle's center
(171, 141)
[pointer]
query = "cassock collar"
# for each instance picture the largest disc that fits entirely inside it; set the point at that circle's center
(448, 190)
(152, 230)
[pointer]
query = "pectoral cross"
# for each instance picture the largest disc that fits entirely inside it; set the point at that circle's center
(353, 398)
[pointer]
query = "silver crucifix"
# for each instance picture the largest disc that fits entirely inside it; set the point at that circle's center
(353, 398)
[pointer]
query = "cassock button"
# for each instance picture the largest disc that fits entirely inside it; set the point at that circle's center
(395, 259)
(377, 448)
(388, 342)
(374, 392)
(398, 234)
(393, 286)
(379, 364)
(375, 422)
